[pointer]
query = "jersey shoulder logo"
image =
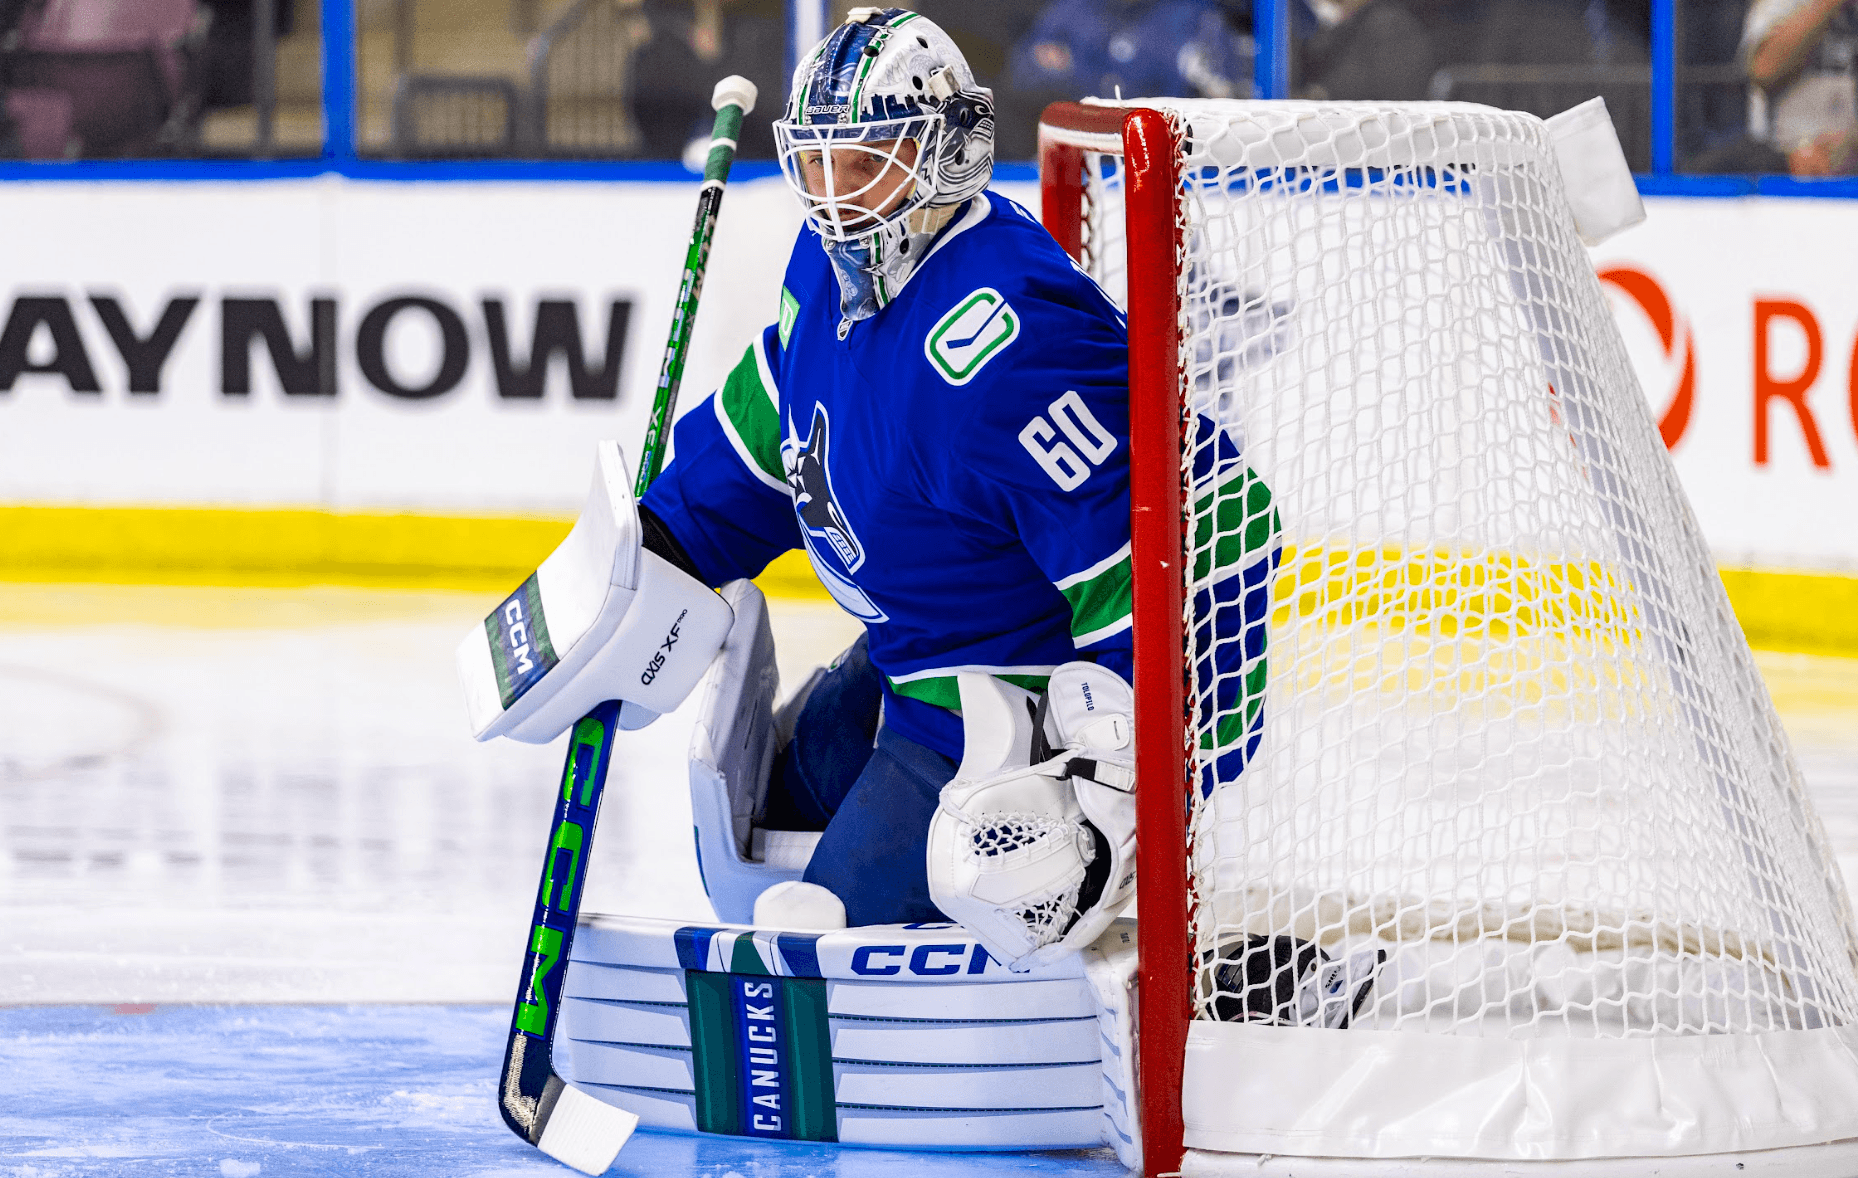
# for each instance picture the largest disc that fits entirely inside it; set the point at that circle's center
(790, 314)
(964, 340)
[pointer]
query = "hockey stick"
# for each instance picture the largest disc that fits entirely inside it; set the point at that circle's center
(537, 1104)
(734, 99)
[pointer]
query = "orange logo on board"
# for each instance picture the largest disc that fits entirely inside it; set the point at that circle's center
(1646, 291)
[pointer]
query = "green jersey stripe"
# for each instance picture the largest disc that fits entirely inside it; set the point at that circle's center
(1121, 555)
(1231, 726)
(1100, 601)
(945, 692)
(745, 406)
(1233, 553)
(766, 372)
(1117, 627)
(937, 685)
(1232, 523)
(951, 672)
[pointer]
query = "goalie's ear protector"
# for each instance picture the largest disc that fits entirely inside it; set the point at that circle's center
(967, 111)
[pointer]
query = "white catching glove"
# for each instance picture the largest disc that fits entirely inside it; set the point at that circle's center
(1034, 852)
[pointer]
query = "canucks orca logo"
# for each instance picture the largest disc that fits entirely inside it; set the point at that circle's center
(808, 462)
(812, 491)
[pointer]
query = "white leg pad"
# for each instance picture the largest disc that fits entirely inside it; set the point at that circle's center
(732, 750)
(936, 1043)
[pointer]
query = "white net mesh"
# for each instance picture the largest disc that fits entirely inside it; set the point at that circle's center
(1473, 717)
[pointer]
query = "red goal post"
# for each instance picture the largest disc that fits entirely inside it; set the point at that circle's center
(1150, 143)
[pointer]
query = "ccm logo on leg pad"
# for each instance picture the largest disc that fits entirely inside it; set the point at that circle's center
(927, 961)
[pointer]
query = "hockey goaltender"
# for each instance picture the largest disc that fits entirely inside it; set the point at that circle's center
(939, 417)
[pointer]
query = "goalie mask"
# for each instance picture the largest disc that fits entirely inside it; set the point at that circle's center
(885, 135)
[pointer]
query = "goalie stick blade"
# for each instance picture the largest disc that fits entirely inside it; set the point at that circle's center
(580, 1130)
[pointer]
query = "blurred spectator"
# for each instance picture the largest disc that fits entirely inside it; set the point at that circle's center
(1365, 49)
(692, 47)
(1800, 56)
(1562, 32)
(1544, 56)
(987, 31)
(226, 57)
(1137, 48)
(1712, 89)
(11, 146)
(102, 78)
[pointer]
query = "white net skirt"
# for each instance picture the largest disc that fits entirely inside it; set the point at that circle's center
(1497, 848)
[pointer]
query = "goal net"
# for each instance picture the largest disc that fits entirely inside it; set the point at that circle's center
(1489, 843)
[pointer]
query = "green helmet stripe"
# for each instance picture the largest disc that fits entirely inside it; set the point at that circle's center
(799, 95)
(864, 72)
(878, 41)
(877, 260)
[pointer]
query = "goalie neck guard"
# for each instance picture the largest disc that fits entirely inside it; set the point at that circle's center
(885, 135)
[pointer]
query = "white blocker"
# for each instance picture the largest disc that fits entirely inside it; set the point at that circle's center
(600, 619)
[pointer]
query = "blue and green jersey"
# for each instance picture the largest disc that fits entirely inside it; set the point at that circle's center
(956, 467)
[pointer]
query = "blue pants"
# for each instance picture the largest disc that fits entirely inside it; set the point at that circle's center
(871, 791)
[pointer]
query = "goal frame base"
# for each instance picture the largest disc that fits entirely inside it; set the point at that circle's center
(1838, 1159)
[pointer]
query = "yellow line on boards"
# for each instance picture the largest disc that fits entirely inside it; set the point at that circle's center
(1783, 610)
(234, 546)
(1805, 612)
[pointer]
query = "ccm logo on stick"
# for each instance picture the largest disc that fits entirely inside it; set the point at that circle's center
(664, 651)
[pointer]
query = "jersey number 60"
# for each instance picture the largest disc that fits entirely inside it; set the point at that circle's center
(1085, 432)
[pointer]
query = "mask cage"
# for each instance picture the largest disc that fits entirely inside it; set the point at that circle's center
(873, 149)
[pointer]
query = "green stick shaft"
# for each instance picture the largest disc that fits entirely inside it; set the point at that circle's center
(690, 289)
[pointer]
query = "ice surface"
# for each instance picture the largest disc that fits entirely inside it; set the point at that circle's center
(269, 796)
(335, 1091)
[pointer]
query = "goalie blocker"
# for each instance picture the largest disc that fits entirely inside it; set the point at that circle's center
(601, 619)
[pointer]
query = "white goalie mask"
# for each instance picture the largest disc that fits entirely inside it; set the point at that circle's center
(885, 133)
